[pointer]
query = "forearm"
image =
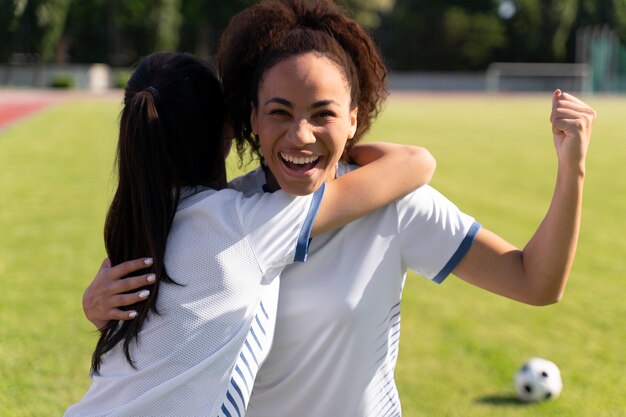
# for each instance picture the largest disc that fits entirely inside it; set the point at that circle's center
(549, 255)
(416, 164)
(393, 171)
(537, 274)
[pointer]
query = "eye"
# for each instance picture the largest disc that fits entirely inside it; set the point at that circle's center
(324, 114)
(279, 112)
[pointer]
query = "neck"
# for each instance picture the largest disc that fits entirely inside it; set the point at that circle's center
(270, 181)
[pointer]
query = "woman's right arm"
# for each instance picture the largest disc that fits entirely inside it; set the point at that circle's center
(388, 171)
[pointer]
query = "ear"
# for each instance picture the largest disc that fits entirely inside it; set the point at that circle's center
(254, 119)
(353, 122)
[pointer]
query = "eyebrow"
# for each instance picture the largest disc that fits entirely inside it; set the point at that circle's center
(289, 104)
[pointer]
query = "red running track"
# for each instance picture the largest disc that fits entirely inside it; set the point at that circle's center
(16, 105)
(11, 112)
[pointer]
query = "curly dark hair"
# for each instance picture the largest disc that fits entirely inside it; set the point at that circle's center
(273, 30)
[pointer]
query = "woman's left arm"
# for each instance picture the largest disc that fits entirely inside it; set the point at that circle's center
(538, 274)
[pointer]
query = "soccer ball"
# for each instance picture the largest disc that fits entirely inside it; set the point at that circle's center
(538, 380)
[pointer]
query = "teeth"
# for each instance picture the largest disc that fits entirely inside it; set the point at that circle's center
(300, 160)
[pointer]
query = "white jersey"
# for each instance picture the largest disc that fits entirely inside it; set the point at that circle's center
(338, 324)
(200, 355)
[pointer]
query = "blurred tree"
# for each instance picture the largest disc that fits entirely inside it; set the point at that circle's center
(539, 31)
(619, 19)
(10, 13)
(165, 18)
(597, 12)
(204, 22)
(441, 35)
(33, 27)
(413, 34)
(473, 34)
(51, 16)
(368, 12)
(468, 35)
(89, 31)
(133, 29)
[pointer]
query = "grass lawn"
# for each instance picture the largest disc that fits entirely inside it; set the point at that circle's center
(460, 346)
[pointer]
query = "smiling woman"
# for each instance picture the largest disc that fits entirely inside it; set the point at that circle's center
(303, 119)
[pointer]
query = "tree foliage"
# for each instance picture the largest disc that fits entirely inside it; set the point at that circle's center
(51, 16)
(10, 15)
(413, 34)
(446, 34)
(368, 12)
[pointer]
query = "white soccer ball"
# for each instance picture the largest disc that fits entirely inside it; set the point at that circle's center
(538, 380)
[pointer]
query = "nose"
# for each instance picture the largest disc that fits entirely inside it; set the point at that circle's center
(301, 133)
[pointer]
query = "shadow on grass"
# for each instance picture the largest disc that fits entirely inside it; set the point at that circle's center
(501, 400)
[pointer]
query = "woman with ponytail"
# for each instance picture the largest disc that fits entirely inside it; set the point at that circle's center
(205, 326)
(160, 152)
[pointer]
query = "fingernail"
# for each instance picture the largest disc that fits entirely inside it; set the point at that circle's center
(144, 294)
(151, 278)
(132, 314)
(147, 261)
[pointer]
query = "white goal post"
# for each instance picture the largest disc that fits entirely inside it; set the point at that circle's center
(535, 76)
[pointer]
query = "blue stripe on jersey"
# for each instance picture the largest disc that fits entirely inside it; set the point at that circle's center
(232, 401)
(386, 400)
(386, 339)
(245, 362)
(263, 310)
(238, 391)
(256, 339)
(225, 411)
(256, 361)
(386, 321)
(383, 399)
(256, 318)
(236, 400)
(459, 254)
(302, 248)
(243, 378)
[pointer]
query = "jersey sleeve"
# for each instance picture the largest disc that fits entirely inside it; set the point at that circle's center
(434, 233)
(278, 226)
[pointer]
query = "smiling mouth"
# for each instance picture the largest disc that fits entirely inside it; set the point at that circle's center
(299, 163)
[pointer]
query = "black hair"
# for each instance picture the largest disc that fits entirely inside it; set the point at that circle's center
(171, 136)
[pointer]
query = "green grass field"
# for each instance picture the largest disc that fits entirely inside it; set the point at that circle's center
(460, 346)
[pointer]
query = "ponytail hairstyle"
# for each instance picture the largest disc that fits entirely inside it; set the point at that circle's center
(266, 33)
(171, 136)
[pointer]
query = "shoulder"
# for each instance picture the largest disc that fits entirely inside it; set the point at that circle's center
(202, 196)
(250, 183)
(425, 198)
(427, 203)
(343, 168)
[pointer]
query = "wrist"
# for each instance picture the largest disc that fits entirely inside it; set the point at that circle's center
(99, 324)
(572, 169)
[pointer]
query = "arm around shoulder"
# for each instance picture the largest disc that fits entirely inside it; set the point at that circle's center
(388, 172)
